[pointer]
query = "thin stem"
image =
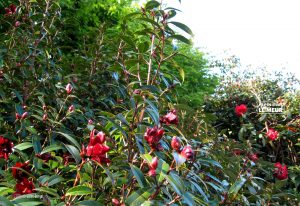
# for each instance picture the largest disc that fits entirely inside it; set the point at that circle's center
(150, 59)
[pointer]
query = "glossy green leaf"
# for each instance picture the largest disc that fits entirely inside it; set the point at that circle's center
(182, 26)
(180, 38)
(151, 5)
(138, 175)
(74, 152)
(79, 190)
(48, 191)
(24, 145)
(70, 139)
(51, 148)
(234, 189)
(140, 196)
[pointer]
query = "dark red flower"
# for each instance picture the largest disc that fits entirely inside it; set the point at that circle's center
(240, 110)
(170, 118)
(10, 10)
(153, 136)
(96, 150)
(45, 157)
(280, 172)
(175, 143)
(237, 151)
(272, 134)
(5, 147)
(21, 170)
(187, 152)
(253, 157)
(24, 187)
(67, 158)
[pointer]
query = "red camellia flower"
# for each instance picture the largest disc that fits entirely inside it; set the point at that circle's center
(69, 88)
(5, 147)
(253, 157)
(24, 187)
(272, 134)
(240, 109)
(96, 149)
(175, 143)
(187, 152)
(19, 168)
(10, 10)
(280, 172)
(170, 118)
(152, 136)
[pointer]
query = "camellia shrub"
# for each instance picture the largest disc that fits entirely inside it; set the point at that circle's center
(259, 147)
(96, 125)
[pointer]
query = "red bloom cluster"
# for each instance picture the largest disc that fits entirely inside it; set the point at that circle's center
(10, 10)
(240, 110)
(153, 136)
(280, 172)
(188, 153)
(21, 170)
(170, 118)
(5, 147)
(96, 150)
(153, 166)
(272, 134)
(24, 187)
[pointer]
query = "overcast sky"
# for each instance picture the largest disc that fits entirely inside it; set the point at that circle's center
(260, 32)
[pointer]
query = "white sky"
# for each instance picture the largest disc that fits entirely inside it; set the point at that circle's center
(260, 32)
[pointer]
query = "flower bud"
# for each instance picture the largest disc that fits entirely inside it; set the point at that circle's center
(187, 153)
(69, 88)
(45, 116)
(71, 108)
(90, 121)
(175, 143)
(18, 116)
(115, 202)
(154, 163)
(152, 173)
(17, 24)
(24, 115)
